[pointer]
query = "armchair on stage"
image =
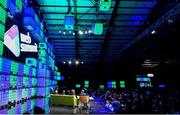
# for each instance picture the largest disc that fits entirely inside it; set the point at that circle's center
(83, 102)
(69, 100)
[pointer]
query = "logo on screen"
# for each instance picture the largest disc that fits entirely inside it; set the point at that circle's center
(25, 45)
(11, 40)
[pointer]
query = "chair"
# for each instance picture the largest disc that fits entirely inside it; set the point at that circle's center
(84, 99)
(83, 102)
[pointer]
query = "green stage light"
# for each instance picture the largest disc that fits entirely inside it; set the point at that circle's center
(86, 85)
(86, 82)
(122, 86)
(104, 5)
(122, 82)
(78, 85)
(114, 86)
(97, 28)
(101, 86)
(113, 82)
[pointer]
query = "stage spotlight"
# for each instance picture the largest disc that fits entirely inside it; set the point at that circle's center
(153, 32)
(77, 62)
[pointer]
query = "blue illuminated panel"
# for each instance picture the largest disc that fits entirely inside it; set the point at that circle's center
(143, 79)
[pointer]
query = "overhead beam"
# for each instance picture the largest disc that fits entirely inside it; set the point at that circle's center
(162, 21)
(61, 6)
(104, 25)
(77, 43)
(78, 13)
(90, 20)
(108, 33)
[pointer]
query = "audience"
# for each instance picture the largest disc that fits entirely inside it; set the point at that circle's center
(141, 101)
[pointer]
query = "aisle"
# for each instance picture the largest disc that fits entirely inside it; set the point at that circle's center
(98, 107)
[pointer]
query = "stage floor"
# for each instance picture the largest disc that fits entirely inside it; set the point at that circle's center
(96, 107)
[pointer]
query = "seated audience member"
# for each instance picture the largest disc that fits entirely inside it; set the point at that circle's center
(63, 92)
(82, 93)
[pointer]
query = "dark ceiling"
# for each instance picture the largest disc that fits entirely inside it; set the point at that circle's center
(121, 48)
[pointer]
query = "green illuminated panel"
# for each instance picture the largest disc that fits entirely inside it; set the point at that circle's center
(33, 92)
(52, 16)
(97, 28)
(2, 30)
(122, 86)
(2, 15)
(114, 86)
(53, 2)
(84, 3)
(34, 81)
(33, 72)
(58, 73)
(147, 4)
(42, 26)
(55, 21)
(14, 67)
(101, 86)
(25, 81)
(78, 85)
(19, 4)
(58, 77)
(104, 5)
(86, 82)
(11, 110)
(13, 81)
(42, 53)
(113, 82)
(33, 102)
(36, 19)
(42, 46)
(31, 62)
(86, 85)
(24, 93)
(1, 48)
(12, 95)
(26, 70)
(42, 59)
(3, 3)
(23, 108)
(122, 82)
